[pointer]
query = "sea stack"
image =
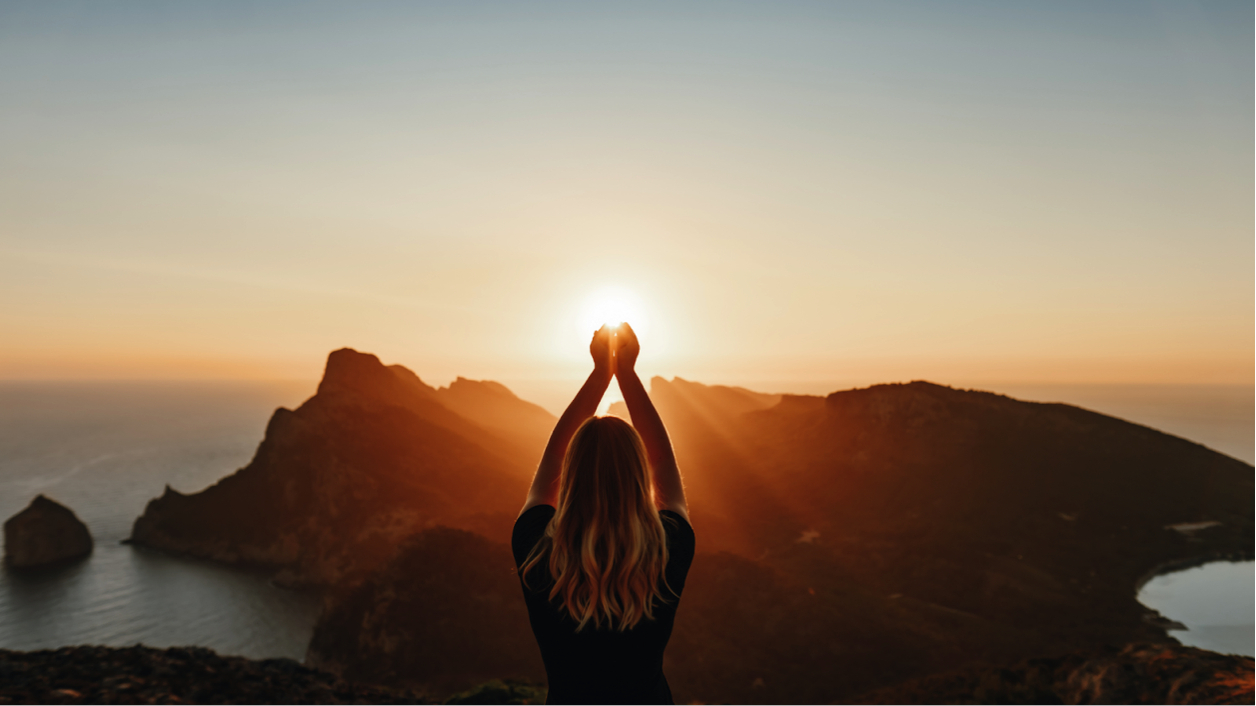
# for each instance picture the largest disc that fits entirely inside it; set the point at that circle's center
(45, 532)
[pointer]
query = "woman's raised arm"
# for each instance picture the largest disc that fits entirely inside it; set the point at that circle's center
(544, 490)
(658, 446)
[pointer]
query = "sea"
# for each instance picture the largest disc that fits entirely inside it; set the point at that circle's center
(105, 449)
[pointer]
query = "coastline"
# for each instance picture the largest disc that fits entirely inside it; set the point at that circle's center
(1176, 565)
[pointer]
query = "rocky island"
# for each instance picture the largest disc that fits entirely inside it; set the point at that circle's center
(46, 532)
(848, 544)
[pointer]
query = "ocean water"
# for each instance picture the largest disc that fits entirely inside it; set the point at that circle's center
(1221, 417)
(1214, 602)
(106, 449)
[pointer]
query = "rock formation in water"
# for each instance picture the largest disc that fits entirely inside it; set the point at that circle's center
(371, 459)
(877, 536)
(45, 532)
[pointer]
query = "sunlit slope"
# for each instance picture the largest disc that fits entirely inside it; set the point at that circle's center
(375, 456)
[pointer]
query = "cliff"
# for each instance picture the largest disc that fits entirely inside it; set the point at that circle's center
(374, 457)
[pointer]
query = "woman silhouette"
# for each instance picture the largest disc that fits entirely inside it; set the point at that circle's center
(603, 543)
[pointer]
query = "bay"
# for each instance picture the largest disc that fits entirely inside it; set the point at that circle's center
(1214, 602)
(106, 449)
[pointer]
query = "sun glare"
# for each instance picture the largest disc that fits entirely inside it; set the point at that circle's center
(611, 306)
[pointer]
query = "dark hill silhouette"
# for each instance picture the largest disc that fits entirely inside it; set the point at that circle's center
(444, 615)
(846, 543)
(374, 457)
(995, 529)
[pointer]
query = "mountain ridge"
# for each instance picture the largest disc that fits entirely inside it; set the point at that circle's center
(899, 530)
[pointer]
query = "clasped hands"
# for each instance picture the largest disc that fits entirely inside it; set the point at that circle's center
(614, 349)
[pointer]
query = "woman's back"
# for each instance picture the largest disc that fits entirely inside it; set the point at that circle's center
(603, 543)
(603, 665)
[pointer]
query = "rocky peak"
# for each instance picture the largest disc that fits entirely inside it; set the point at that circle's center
(361, 379)
(349, 371)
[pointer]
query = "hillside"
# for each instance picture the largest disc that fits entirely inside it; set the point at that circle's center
(373, 457)
(846, 543)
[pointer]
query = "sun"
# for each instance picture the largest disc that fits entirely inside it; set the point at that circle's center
(612, 306)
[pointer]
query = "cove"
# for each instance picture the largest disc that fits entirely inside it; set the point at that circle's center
(1214, 601)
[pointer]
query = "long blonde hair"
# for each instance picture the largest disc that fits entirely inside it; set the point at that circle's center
(606, 545)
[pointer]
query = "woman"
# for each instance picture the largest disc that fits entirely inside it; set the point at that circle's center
(603, 543)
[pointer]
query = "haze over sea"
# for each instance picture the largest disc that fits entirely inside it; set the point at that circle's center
(105, 449)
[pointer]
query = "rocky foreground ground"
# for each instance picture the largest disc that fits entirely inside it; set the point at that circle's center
(196, 675)
(1136, 674)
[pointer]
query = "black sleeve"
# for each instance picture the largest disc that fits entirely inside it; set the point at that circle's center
(529, 529)
(680, 548)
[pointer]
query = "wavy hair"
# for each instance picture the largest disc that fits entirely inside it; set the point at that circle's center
(606, 545)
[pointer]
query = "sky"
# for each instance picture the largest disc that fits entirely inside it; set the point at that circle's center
(789, 194)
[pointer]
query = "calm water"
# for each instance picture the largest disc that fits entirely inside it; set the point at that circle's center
(1215, 603)
(106, 449)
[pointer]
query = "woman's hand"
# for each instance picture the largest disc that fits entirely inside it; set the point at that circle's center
(626, 348)
(600, 349)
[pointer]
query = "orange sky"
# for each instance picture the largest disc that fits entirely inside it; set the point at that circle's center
(796, 195)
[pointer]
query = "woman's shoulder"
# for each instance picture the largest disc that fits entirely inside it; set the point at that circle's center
(680, 548)
(676, 518)
(537, 516)
(677, 527)
(536, 511)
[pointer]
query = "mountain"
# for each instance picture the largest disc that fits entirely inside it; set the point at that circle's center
(857, 541)
(495, 408)
(943, 527)
(846, 543)
(445, 614)
(375, 456)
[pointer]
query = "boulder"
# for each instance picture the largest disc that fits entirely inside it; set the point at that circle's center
(45, 532)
